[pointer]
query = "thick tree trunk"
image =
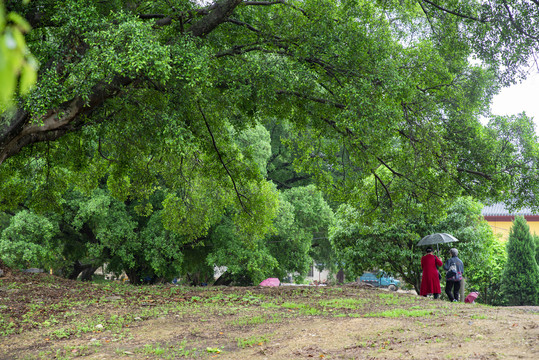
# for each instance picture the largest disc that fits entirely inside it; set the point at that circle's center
(134, 276)
(87, 271)
(75, 271)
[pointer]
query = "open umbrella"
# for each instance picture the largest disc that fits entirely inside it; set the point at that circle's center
(438, 238)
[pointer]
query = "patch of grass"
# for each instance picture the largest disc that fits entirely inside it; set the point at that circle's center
(7, 327)
(80, 350)
(153, 349)
(61, 355)
(68, 314)
(253, 340)
(293, 306)
(269, 305)
(393, 299)
(164, 351)
(394, 313)
(60, 333)
(51, 321)
(96, 343)
(78, 326)
(181, 351)
(250, 299)
(255, 320)
(479, 316)
(310, 311)
(211, 350)
(386, 295)
(344, 303)
(228, 311)
(45, 355)
(303, 308)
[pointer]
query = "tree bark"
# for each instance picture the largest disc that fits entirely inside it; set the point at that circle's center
(87, 271)
(22, 131)
(219, 13)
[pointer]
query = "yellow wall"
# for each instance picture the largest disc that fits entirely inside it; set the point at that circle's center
(502, 227)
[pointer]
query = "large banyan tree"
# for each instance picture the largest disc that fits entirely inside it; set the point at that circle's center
(383, 99)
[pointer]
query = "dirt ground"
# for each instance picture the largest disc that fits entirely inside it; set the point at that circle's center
(45, 317)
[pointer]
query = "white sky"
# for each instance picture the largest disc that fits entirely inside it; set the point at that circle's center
(518, 98)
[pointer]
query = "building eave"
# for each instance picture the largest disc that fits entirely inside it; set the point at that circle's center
(510, 218)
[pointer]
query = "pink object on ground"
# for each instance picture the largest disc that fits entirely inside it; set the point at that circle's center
(270, 282)
(471, 297)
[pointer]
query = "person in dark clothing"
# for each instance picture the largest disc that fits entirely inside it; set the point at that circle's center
(453, 277)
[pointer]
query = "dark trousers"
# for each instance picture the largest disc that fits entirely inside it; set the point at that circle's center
(455, 285)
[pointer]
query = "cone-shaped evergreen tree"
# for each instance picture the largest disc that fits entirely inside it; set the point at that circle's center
(536, 239)
(520, 281)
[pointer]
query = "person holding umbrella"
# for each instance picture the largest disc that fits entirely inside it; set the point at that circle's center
(455, 269)
(430, 281)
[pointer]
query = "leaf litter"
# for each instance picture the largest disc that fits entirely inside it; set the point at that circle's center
(47, 317)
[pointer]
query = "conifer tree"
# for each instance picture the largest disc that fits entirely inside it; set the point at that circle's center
(520, 281)
(536, 240)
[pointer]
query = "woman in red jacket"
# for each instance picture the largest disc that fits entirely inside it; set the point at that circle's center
(430, 282)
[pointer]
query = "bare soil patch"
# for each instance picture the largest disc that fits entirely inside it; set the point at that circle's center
(45, 317)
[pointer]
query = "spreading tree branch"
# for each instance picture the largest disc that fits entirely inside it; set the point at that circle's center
(99, 150)
(386, 190)
(218, 14)
(427, 16)
(456, 13)
(312, 98)
(515, 24)
(238, 194)
(22, 131)
(477, 173)
(244, 24)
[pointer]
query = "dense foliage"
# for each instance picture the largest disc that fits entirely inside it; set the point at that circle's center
(196, 114)
(146, 91)
(520, 280)
(96, 229)
(302, 235)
